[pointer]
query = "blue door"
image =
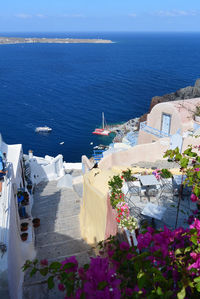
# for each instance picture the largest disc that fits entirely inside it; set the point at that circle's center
(166, 123)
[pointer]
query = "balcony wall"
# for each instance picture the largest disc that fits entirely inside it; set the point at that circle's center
(97, 219)
(149, 152)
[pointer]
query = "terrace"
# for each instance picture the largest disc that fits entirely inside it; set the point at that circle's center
(98, 217)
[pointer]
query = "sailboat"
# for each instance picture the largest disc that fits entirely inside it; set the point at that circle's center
(102, 131)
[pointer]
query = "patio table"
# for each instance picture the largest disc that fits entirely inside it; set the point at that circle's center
(148, 181)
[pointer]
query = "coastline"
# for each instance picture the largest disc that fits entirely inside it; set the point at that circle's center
(20, 40)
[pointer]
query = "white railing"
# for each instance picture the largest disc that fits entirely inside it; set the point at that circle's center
(5, 205)
(160, 134)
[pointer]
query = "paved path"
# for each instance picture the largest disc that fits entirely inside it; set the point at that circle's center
(58, 235)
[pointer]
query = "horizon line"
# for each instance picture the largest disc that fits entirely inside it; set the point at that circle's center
(98, 31)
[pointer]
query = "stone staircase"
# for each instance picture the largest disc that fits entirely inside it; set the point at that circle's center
(58, 235)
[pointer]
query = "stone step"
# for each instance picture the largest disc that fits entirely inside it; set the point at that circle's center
(59, 219)
(70, 247)
(54, 205)
(64, 225)
(57, 202)
(53, 237)
(57, 213)
(55, 209)
(57, 237)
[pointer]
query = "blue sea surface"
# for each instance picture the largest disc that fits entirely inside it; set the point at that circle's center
(67, 86)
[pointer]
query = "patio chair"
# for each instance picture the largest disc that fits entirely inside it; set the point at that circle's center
(134, 189)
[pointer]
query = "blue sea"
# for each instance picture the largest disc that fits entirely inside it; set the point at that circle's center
(68, 86)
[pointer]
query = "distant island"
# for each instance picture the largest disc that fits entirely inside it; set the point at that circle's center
(30, 40)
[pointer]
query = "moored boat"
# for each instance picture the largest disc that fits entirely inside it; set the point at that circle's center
(102, 131)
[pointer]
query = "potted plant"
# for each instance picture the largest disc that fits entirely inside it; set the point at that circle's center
(166, 174)
(24, 226)
(128, 176)
(19, 194)
(36, 222)
(197, 114)
(24, 236)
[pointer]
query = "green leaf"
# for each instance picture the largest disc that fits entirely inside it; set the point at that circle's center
(159, 291)
(187, 249)
(198, 286)
(44, 271)
(184, 162)
(194, 240)
(178, 251)
(55, 266)
(50, 282)
(178, 157)
(33, 271)
(102, 285)
(82, 296)
(197, 279)
(181, 294)
(68, 266)
(86, 267)
(35, 262)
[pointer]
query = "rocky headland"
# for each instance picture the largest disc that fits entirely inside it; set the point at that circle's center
(132, 125)
(28, 40)
(188, 92)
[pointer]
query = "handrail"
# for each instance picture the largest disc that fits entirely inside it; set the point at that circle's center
(5, 198)
(144, 127)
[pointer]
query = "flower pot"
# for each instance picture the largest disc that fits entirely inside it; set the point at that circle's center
(24, 226)
(29, 187)
(36, 222)
(26, 196)
(24, 236)
(24, 202)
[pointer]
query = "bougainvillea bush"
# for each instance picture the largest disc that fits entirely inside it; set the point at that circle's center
(165, 264)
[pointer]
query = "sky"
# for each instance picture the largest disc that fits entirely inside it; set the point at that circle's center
(99, 15)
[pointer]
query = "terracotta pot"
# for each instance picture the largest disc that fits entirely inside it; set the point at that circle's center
(24, 236)
(24, 226)
(29, 187)
(24, 202)
(26, 196)
(36, 222)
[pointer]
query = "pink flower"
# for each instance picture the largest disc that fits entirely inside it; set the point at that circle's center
(196, 224)
(124, 246)
(193, 197)
(61, 287)
(44, 262)
(194, 255)
(195, 265)
(195, 212)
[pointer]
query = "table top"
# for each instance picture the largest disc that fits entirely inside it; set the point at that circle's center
(148, 180)
(153, 211)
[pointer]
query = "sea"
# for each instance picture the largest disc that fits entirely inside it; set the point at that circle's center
(68, 86)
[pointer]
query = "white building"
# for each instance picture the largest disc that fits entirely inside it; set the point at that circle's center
(13, 251)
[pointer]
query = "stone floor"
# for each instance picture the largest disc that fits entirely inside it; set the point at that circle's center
(167, 200)
(58, 235)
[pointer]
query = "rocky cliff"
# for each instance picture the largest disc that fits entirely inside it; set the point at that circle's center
(188, 92)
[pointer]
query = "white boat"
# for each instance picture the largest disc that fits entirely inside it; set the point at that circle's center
(44, 129)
